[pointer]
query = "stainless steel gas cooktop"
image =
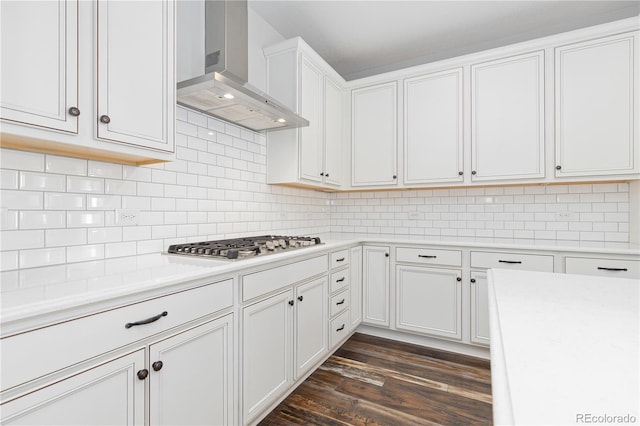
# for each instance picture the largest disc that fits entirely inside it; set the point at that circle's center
(241, 248)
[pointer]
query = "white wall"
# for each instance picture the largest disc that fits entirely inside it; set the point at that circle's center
(261, 34)
(634, 209)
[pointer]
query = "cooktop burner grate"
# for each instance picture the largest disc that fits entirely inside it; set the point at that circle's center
(238, 248)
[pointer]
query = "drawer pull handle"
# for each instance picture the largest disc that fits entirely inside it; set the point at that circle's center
(340, 260)
(341, 328)
(147, 321)
(612, 269)
(515, 262)
(427, 256)
(142, 374)
(157, 366)
(340, 302)
(340, 280)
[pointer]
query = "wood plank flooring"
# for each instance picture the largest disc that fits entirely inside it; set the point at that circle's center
(374, 381)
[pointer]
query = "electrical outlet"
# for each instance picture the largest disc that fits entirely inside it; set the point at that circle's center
(127, 217)
(565, 216)
(414, 215)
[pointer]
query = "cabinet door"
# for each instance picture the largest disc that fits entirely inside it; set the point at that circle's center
(311, 147)
(39, 76)
(266, 354)
(433, 147)
(507, 118)
(479, 308)
(596, 107)
(136, 83)
(429, 301)
(374, 135)
(194, 382)
(311, 324)
(376, 285)
(333, 132)
(108, 394)
(355, 289)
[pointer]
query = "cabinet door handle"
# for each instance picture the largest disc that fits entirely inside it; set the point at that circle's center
(326, 174)
(340, 280)
(427, 256)
(473, 172)
(300, 298)
(514, 262)
(473, 280)
(74, 111)
(340, 260)
(395, 176)
(341, 328)
(105, 119)
(142, 374)
(558, 167)
(322, 174)
(340, 302)
(602, 268)
(146, 321)
(290, 302)
(460, 173)
(458, 279)
(157, 366)
(386, 255)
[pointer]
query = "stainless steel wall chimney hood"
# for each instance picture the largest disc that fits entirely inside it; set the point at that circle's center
(221, 89)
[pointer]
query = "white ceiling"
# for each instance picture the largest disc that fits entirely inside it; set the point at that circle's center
(366, 37)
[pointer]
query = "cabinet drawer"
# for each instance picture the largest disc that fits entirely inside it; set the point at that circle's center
(263, 282)
(429, 256)
(338, 329)
(339, 280)
(36, 353)
(602, 267)
(339, 302)
(527, 262)
(339, 258)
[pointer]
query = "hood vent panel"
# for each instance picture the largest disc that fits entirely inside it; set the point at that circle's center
(222, 90)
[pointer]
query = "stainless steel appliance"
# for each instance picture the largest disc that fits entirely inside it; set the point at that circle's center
(242, 248)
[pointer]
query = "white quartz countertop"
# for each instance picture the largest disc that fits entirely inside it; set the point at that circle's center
(61, 289)
(564, 348)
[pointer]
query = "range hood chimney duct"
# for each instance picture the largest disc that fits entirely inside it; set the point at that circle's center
(222, 89)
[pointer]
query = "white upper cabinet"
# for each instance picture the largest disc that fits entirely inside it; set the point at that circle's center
(89, 79)
(597, 107)
(433, 142)
(39, 76)
(374, 119)
(507, 118)
(136, 89)
(309, 156)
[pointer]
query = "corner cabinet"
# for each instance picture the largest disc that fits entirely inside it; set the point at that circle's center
(308, 156)
(374, 116)
(433, 128)
(597, 107)
(125, 50)
(507, 118)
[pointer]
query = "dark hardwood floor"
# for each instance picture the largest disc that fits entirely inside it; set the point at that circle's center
(374, 381)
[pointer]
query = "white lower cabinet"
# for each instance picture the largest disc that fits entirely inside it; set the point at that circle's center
(191, 376)
(375, 291)
(106, 394)
(429, 301)
(479, 308)
(270, 335)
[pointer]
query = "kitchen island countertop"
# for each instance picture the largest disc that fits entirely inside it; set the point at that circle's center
(564, 348)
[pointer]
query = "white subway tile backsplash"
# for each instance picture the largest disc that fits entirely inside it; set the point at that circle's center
(66, 165)
(42, 257)
(216, 188)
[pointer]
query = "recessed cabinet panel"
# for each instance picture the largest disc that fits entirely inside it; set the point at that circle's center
(39, 76)
(596, 113)
(429, 301)
(507, 118)
(312, 81)
(376, 285)
(433, 128)
(311, 323)
(479, 308)
(374, 135)
(136, 93)
(108, 394)
(194, 383)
